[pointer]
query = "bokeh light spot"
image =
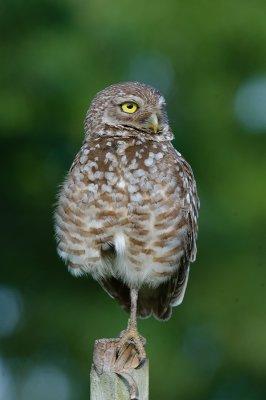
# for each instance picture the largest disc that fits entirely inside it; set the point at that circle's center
(250, 104)
(6, 383)
(10, 310)
(46, 382)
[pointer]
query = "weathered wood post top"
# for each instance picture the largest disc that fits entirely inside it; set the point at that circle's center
(118, 377)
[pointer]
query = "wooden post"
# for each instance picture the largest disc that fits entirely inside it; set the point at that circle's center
(118, 377)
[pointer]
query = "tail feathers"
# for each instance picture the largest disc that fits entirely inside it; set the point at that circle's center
(152, 301)
(159, 301)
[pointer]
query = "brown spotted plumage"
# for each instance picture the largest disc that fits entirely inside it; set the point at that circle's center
(127, 211)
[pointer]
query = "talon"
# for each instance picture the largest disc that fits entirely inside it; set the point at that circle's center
(132, 336)
(141, 362)
(125, 333)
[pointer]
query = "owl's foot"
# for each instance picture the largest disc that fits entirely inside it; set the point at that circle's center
(131, 336)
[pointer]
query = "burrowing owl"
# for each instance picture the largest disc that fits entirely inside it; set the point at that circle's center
(127, 211)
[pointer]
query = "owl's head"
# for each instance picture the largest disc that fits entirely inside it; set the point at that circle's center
(128, 107)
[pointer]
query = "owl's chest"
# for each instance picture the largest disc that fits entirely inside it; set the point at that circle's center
(126, 172)
(132, 187)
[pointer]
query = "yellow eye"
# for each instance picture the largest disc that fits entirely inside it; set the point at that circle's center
(129, 107)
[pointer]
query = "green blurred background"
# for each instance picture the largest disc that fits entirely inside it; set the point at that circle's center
(209, 59)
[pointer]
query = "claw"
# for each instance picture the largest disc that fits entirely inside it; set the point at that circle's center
(132, 336)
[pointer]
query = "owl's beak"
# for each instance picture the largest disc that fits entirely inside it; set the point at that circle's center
(153, 122)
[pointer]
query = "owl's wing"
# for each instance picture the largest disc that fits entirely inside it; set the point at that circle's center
(171, 293)
(159, 301)
(118, 290)
(191, 208)
(176, 286)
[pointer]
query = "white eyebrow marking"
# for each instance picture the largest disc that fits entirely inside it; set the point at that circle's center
(129, 97)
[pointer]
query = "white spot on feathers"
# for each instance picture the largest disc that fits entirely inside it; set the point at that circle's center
(148, 162)
(139, 173)
(106, 188)
(132, 188)
(121, 184)
(120, 243)
(92, 188)
(83, 159)
(136, 197)
(158, 156)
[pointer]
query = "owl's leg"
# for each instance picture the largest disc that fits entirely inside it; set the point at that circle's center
(132, 322)
(131, 333)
